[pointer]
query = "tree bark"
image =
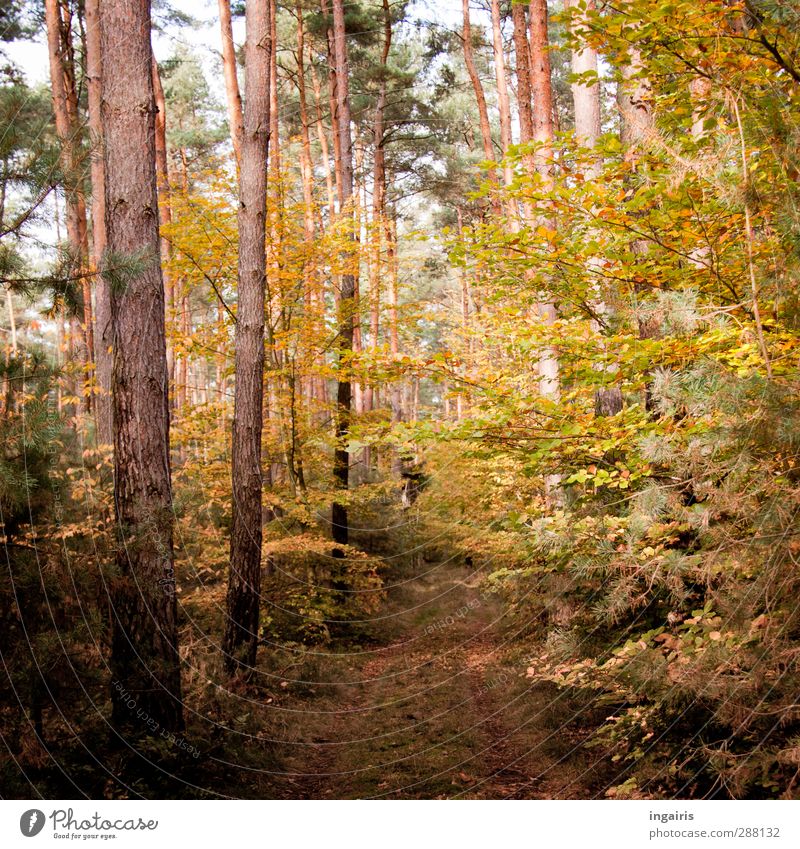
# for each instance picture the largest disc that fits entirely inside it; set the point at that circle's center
(233, 97)
(144, 654)
(244, 582)
(341, 461)
(522, 55)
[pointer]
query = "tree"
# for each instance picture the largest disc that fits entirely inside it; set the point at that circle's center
(244, 580)
(480, 97)
(347, 296)
(144, 652)
(232, 95)
(65, 107)
(102, 316)
(503, 102)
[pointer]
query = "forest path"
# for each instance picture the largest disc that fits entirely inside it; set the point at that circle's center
(435, 708)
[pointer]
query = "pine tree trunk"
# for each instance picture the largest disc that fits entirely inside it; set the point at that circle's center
(244, 581)
(480, 97)
(322, 136)
(522, 55)
(232, 96)
(144, 654)
(541, 88)
(378, 197)
(164, 207)
(102, 316)
(503, 103)
(341, 460)
(313, 300)
(65, 108)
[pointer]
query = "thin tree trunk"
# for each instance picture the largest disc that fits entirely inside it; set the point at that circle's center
(233, 97)
(541, 88)
(323, 142)
(102, 316)
(635, 104)
(480, 97)
(503, 103)
(378, 196)
(144, 654)
(65, 108)
(164, 207)
(341, 461)
(244, 582)
(313, 298)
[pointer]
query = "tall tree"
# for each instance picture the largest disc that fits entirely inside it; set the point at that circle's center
(585, 93)
(102, 313)
(58, 16)
(144, 657)
(503, 101)
(378, 192)
(233, 97)
(477, 85)
(347, 297)
(542, 91)
(244, 581)
(164, 201)
(541, 87)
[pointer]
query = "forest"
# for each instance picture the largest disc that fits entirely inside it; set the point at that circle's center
(399, 399)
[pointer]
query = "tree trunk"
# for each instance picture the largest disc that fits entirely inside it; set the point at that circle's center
(65, 109)
(378, 196)
(244, 582)
(313, 296)
(102, 317)
(480, 98)
(323, 142)
(164, 206)
(144, 654)
(585, 97)
(232, 96)
(541, 88)
(522, 55)
(341, 461)
(503, 103)
(635, 104)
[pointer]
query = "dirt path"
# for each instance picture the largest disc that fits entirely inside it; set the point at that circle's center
(435, 708)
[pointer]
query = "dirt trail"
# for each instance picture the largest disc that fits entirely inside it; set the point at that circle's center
(434, 709)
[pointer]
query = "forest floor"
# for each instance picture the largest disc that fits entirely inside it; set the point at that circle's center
(436, 706)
